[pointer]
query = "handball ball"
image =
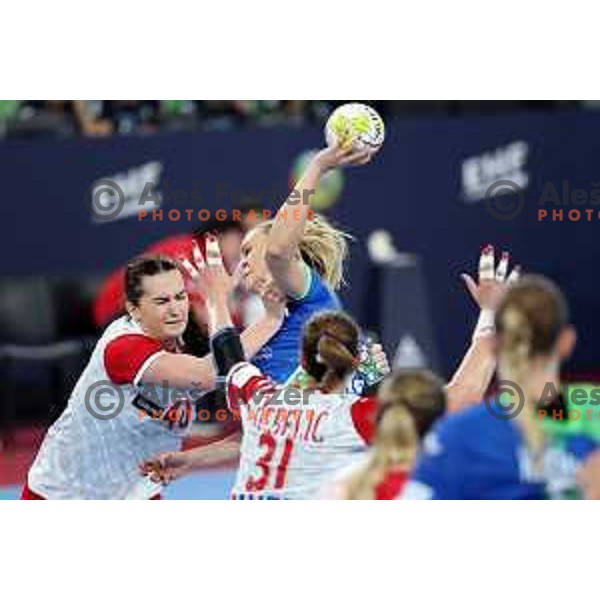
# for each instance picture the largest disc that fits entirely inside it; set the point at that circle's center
(355, 125)
(329, 188)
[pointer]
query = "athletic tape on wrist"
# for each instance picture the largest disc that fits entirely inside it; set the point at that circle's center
(485, 324)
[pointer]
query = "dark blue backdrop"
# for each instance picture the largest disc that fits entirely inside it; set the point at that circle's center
(413, 189)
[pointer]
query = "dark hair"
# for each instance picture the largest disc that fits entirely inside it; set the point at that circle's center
(330, 347)
(215, 226)
(144, 266)
(196, 340)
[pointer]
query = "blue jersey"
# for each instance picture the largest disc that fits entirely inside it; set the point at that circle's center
(279, 358)
(475, 455)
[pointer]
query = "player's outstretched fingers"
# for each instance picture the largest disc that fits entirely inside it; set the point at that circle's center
(144, 468)
(198, 258)
(213, 252)
(486, 264)
(366, 159)
(514, 276)
(502, 267)
(356, 157)
(151, 469)
(338, 147)
(189, 269)
(156, 477)
(470, 283)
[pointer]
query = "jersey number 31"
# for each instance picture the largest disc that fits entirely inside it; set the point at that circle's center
(269, 443)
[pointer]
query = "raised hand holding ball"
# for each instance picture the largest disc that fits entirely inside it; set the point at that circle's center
(355, 126)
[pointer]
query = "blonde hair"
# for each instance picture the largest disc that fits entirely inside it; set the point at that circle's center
(529, 321)
(409, 402)
(323, 247)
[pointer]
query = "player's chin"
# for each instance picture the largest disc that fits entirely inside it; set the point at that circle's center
(174, 329)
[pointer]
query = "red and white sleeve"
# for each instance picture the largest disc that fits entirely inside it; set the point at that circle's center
(363, 414)
(128, 356)
(244, 383)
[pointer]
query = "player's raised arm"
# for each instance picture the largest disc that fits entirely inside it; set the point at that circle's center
(288, 227)
(472, 378)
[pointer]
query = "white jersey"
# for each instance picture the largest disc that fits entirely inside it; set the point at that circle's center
(293, 441)
(335, 487)
(112, 423)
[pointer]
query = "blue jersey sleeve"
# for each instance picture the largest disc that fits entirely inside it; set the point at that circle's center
(472, 455)
(316, 293)
(434, 476)
(279, 358)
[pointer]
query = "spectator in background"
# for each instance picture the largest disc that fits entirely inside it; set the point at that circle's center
(130, 116)
(282, 112)
(228, 114)
(178, 115)
(273, 112)
(221, 114)
(54, 118)
(32, 118)
(9, 109)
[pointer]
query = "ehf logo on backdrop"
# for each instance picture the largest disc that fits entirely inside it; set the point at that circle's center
(480, 172)
(120, 196)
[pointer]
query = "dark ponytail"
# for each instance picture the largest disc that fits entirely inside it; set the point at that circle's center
(330, 348)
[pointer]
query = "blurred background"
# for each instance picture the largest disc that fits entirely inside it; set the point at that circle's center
(418, 214)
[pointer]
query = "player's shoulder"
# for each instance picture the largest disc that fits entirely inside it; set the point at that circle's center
(470, 416)
(121, 326)
(339, 401)
(125, 338)
(464, 426)
(316, 290)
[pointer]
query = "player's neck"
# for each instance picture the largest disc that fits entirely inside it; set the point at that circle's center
(544, 382)
(336, 389)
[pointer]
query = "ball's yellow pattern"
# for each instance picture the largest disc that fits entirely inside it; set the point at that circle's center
(356, 125)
